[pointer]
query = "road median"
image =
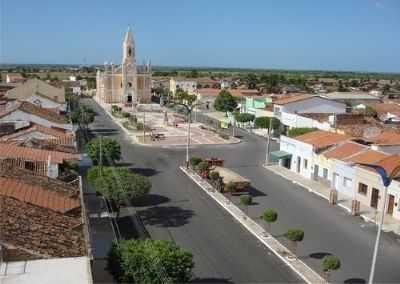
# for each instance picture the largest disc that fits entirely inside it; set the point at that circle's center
(303, 270)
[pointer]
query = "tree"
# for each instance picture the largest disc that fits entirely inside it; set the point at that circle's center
(251, 80)
(118, 184)
(270, 216)
(246, 200)
(244, 117)
(294, 236)
(110, 150)
(216, 179)
(150, 261)
(329, 264)
(263, 122)
(83, 116)
(225, 102)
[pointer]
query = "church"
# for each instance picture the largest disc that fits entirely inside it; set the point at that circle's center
(127, 83)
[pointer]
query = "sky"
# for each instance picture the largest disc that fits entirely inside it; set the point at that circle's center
(359, 35)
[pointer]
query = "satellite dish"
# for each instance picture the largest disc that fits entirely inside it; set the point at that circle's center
(371, 132)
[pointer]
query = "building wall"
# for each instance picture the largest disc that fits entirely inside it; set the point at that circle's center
(301, 152)
(325, 168)
(18, 115)
(293, 121)
(389, 149)
(189, 86)
(345, 181)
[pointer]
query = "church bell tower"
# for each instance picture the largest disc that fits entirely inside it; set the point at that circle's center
(129, 72)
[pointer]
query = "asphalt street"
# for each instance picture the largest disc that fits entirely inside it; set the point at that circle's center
(224, 252)
(177, 210)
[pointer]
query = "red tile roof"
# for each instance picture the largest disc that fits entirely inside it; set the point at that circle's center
(37, 195)
(321, 139)
(31, 154)
(345, 150)
(390, 163)
(28, 107)
(386, 138)
(234, 92)
(367, 157)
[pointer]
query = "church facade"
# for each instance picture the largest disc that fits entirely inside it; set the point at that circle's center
(127, 83)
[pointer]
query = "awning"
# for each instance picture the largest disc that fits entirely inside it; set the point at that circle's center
(279, 155)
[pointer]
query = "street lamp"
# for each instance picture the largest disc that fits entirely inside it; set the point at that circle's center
(386, 180)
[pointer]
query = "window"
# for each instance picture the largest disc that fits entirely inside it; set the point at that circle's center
(325, 173)
(129, 84)
(347, 182)
(29, 165)
(362, 188)
(305, 163)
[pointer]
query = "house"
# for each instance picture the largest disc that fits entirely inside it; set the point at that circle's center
(41, 135)
(387, 112)
(40, 219)
(224, 84)
(206, 96)
(257, 105)
(301, 151)
(39, 93)
(189, 86)
(28, 112)
(14, 78)
(76, 88)
(287, 109)
(39, 161)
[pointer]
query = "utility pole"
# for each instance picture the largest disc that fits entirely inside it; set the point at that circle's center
(144, 125)
(378, 236)
(233, 126)
(268, 141)
(188, 136)
(101, 154)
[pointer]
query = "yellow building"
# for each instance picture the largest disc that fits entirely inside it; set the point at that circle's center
(125, 83)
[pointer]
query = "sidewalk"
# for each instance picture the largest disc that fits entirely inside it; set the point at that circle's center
(344, 201)
(303, 270)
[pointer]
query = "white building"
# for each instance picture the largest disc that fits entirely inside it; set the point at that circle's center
(189, 86)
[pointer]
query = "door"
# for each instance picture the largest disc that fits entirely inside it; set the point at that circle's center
(335, 181)
(390, 205)
(374, 198)
(316, 171)
(298, 164)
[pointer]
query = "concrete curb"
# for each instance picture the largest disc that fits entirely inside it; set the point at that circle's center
(363, 216)
(303, 270)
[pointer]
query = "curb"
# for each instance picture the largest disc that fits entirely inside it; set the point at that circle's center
(262, 235)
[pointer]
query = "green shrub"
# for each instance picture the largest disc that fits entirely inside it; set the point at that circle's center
(203, 166)
(295, 235)
(195, 160)
(244, 117)
(330, 262)
(246, 199)
(214, 175)
(270, 216)
(230, 187)
(300, 131)
(126, 114)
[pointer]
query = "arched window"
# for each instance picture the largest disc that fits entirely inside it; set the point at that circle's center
(129, 51)
(129, 84)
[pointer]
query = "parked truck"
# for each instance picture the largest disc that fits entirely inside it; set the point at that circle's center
(242, 184)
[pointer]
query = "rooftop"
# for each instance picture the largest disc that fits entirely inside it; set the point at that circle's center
(37, 87)
(293, 99)
(344, 150)
(367, 157)
(234, 92)
(31, 154)
(30, 108)
(322, 139)
(37, 195)
(350, 96)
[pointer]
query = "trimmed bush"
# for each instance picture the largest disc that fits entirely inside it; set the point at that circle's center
(126, 114)
(300, 131)
(195, 160)
(246, 199)
(270, 216)
(214, 175)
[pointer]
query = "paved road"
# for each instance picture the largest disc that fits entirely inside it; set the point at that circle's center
(179, 211)
(223, 250)
(328, 229)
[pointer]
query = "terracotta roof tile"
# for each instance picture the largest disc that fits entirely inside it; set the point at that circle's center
(321, 139)
(37, 195)
(344, 150)
(390, 163)
(386, 138)
(367, 157)
(12, 151)
(28, 107)
(234, 92)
